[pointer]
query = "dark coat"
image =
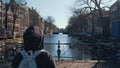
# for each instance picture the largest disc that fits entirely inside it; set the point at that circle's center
(33, 40)
(44, 60)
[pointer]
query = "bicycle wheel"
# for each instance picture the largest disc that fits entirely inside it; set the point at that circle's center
(10, 53)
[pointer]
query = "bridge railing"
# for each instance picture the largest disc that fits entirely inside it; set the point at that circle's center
(69, 51)
(87, 51)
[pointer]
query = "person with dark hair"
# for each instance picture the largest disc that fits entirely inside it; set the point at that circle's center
(33, 41)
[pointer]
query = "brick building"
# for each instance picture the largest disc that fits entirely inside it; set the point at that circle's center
(115, 20)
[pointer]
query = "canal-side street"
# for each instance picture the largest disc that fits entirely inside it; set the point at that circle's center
(75, 33)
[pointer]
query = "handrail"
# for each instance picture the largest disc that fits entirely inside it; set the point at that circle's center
(83, 43)
(70, 44)
(66, 43)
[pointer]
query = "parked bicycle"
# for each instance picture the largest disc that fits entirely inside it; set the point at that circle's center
(10, 53)
(9, 50)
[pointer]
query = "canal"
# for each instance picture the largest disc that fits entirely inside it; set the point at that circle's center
(69, 46)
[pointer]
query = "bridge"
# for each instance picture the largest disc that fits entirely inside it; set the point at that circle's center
(75, 63)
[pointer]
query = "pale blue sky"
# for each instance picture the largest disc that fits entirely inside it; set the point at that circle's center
(58, 9)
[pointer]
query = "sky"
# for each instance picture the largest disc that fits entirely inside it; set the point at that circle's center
(60, 10)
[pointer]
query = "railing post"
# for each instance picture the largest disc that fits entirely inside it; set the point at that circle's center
(99, 52)
(58, 51)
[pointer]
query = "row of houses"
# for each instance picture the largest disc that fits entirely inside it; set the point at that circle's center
(97, 27)
(110, 25)
(115, 20)
(23, 16)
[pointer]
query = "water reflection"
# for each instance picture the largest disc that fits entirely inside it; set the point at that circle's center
(69, 47)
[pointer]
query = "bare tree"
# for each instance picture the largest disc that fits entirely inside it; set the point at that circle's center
(50, 20)
(94, 6)
(14, 5)
(77, 20)
(6, 15)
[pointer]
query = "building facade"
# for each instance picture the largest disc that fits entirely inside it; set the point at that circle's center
(34, 17)
(115, 20)
(22, 20)
(1, 4)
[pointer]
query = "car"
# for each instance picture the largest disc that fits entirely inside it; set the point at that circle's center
(10, 36)
(3, 37)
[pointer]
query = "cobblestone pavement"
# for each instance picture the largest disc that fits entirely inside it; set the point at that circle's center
(73, 64)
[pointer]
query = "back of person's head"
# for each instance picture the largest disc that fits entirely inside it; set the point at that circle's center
(33, 38)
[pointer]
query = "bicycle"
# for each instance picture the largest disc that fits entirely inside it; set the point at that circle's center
(10, 53)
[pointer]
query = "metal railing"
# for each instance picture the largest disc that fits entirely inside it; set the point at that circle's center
(87, 51)
(81, 51)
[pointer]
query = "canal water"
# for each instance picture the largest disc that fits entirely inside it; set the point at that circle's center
(69, 46)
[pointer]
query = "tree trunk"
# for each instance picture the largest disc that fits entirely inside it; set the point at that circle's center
(6, 16)
(14, 19)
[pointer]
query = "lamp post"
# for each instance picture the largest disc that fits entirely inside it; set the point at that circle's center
(58, 51)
